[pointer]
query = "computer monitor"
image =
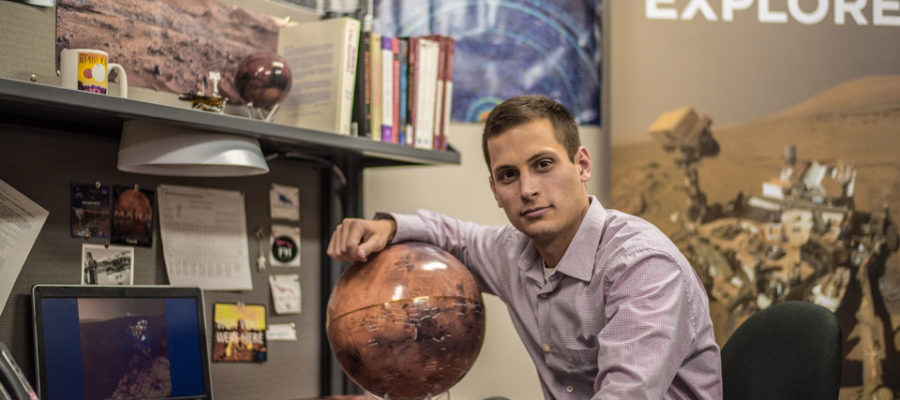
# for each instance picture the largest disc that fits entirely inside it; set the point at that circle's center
(115, 342)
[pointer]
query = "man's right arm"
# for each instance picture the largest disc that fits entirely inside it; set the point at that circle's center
(479, 247)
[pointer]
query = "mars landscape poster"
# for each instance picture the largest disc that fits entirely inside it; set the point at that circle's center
(168, 45)
(798, 205)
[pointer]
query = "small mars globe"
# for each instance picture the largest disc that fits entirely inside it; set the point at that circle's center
(264, 79)
(408, 323)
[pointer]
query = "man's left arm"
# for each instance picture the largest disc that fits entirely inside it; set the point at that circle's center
(649, 327)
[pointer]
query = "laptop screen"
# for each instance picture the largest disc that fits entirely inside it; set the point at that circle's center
(139, 342)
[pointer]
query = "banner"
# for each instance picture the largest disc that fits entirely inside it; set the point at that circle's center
(762, 138)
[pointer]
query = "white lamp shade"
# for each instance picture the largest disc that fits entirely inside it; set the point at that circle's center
(155, 148)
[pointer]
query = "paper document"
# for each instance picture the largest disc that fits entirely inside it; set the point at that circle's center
(285, 293)
(20, 222)
(284, 332)
(204, 237)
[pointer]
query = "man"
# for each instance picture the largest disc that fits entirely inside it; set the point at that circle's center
(604, 302)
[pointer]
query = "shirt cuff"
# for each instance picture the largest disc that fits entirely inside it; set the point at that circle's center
(409, 227)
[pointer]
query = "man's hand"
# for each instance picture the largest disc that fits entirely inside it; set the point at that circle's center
(355, 239)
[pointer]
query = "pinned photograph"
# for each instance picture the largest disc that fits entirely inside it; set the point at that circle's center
(285, 251)
(132, 217)
(284, 202)
(102, 265)
(90, 210)
(239, 332)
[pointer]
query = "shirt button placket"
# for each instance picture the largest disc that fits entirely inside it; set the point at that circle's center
(544, 322)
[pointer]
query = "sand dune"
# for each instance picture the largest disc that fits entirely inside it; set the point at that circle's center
(867, 91)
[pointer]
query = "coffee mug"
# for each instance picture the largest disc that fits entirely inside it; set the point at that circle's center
(88, 70)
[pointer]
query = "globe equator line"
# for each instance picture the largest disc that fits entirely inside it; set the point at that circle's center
(402, 300)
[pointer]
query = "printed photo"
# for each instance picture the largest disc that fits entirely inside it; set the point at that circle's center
(239, 332)
(132, 217)
(102, 265)
(90, 210)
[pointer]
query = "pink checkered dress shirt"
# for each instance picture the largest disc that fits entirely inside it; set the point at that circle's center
(624, 316)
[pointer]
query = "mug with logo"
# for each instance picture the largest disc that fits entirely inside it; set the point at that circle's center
(88, 70)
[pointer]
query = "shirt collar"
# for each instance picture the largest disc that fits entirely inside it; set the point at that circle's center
(578, 260)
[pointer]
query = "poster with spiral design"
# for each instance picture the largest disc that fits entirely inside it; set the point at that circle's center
(506, 48)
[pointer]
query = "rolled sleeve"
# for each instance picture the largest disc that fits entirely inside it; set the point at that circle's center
(474, 245)
(409, 227)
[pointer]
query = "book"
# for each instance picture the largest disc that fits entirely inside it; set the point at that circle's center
(387, 88)
(403, 121)
(445, 90)
(359, 125)
(447, 109)
(395, 88)
(377, 81)
(439, 86)
(322, 56)
(412, 97)
(426, 77)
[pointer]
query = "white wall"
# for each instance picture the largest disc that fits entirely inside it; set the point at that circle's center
(503, 368)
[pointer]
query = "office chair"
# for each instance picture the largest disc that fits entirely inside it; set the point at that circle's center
(790, 350)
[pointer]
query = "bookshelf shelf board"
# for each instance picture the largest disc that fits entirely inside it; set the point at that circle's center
(53, 107)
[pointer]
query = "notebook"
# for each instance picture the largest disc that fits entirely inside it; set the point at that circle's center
(120, 342)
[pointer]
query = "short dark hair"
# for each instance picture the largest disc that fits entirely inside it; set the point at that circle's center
(521, 110)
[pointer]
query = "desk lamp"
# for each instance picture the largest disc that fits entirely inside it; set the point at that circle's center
(156, 148)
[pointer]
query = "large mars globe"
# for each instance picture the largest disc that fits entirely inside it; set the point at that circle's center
(407, 323)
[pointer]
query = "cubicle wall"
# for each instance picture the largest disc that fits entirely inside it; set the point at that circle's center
(41, 164)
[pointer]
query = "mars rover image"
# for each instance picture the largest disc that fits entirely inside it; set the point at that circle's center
(800, 237)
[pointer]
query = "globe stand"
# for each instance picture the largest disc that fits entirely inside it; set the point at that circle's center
(261, 113)
(439, 396)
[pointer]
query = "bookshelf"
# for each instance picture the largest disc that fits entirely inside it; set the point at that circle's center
(50, 106)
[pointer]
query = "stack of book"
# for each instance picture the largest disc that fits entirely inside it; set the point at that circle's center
(390, 89)
(404, 89)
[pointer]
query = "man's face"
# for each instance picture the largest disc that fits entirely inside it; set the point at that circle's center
(533, 180)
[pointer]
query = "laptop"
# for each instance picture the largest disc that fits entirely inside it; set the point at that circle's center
(120, 342)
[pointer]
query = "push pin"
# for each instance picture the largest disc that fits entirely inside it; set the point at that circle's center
(33, 77)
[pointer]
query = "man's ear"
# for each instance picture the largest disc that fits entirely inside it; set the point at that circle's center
(583, 161)
(494, 191)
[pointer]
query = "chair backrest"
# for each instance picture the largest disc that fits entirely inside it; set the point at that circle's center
(790, 350)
